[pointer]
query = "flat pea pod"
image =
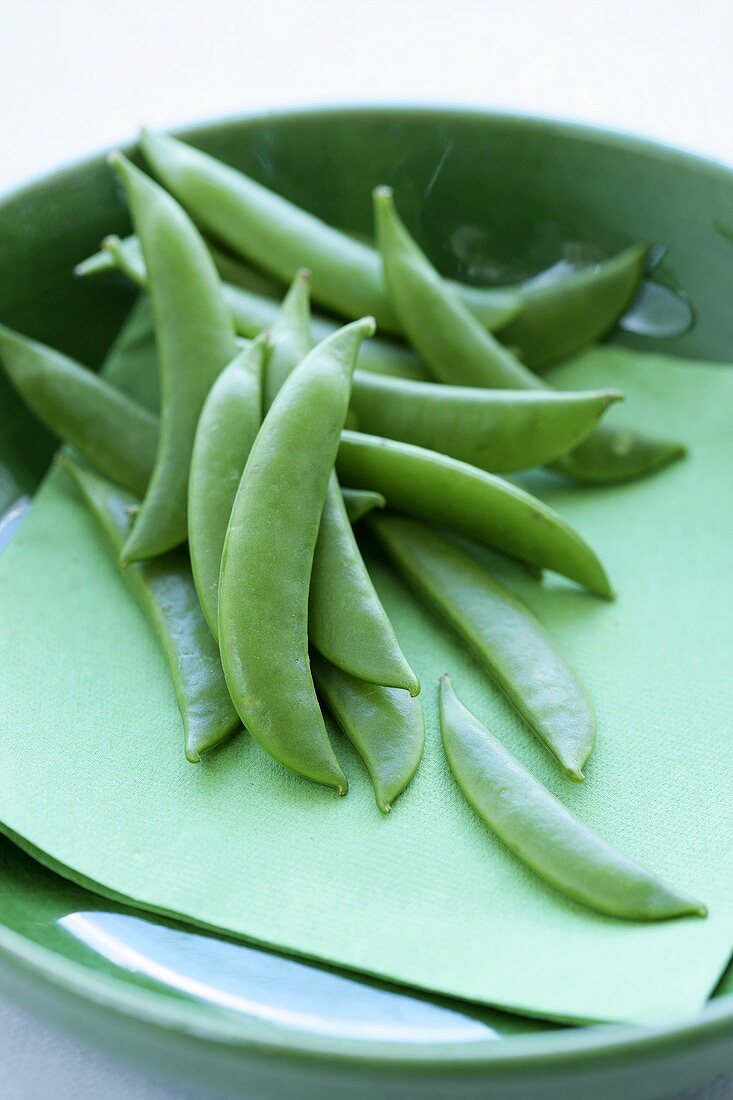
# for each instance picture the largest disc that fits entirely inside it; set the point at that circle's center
(459, 351)
(497, 430)
(252, 312)
(501, 631)
(385, 726)
(227, 428)
(346, 620)
(560, 318)
(165, 590)
(83, 410)
(442, 490)
(280, 237)
(360, 502)
(195, 340)
(448, 337)
(542, 833)
(268, 557)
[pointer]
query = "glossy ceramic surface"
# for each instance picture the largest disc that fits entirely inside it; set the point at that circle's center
(491, 198)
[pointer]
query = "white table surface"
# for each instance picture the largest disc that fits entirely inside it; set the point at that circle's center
(80, 75)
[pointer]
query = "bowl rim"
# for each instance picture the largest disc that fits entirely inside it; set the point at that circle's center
(198, 1021)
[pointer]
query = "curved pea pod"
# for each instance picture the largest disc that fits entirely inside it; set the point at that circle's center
(165, 590)
(613, 455)
(227, 428)
(268, 558)
(346, 620)
(439, 489)
(291, 337)
(453, 343)
(560, 318)
(458, 350)
(498, 430)
(195, 340)
(502, 633)
(108, 429)
(360, 502)
(385, 726)
(542, 833)
(253, 309)
(280, 237)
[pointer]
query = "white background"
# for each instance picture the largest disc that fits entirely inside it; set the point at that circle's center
(80, 75)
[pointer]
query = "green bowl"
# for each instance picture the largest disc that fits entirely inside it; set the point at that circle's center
(241, 1021)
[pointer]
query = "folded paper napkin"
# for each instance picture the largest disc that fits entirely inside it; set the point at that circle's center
(93, 778)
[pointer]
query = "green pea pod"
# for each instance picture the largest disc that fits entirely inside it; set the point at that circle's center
(497, 430)
(458, 350)
(268, 557)
(542, 833)
(438, 489)
(165, 590)
(360, 502)
(501, 631)
(385, 726)
(252, 311)
(131, 364)
(195, 341)
(83, 410)
(291, 337)
(227, 428)
(561, 318)
(448, 337)
(346, 620)
(278, 236)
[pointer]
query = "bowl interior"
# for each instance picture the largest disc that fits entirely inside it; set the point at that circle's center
(491, 199)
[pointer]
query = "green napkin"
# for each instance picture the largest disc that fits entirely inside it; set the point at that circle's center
(93, 779)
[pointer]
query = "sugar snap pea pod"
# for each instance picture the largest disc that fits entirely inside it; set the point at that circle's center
(280, 237)
(195, 339)
(544, 834)
(612, 455)
(360, 502)
(501, 632)
(291, 337)
(165, 590)
(268, 557)
(498, 430)
(227, 427)
(106, 427)
(346, 621)
(562, 317)
(385, 726)
(252, 312)
(458, 350)
(131, 364)
(448, 337)
(442, 490)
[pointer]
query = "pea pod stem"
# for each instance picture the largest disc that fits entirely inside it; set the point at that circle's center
(438, 489)
(542, 833)
(385, 726)
(501, 632)
(165, 590)
(195, 341)
(272, 533)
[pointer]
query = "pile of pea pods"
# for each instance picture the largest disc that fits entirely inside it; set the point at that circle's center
(232, 513)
